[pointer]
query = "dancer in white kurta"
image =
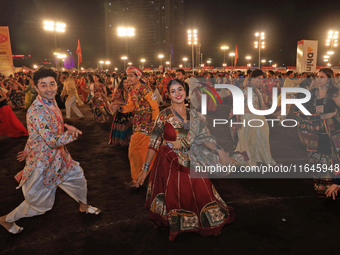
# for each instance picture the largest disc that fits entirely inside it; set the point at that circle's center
(48, 163)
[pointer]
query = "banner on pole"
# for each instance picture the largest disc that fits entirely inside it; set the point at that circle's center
(6, 60)
(306, 57)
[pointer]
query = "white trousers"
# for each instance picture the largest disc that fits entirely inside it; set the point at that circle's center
(39, 199)
(71, 104)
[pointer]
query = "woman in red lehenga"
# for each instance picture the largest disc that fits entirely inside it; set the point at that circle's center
(9, 123)
(174, 197)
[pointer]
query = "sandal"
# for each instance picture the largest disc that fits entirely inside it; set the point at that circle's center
(92, 210)
(15, 229)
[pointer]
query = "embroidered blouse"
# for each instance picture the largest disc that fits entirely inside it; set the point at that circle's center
(143, 102)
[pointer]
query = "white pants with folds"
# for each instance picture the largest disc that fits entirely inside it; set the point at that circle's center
(39, 199)
(71, 104)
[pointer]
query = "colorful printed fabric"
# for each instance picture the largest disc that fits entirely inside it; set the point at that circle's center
(135, 70)
(182, 203)
(45, 147)
(142, 101)
(17, 98)
(176, 200)
(121, 129)
(156, 139)
(316, 133)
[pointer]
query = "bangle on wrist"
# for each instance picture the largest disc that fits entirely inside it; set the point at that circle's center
(146, 167)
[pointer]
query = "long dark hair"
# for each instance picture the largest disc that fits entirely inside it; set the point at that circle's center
(121, 84)
(90, 78)
(332, 89)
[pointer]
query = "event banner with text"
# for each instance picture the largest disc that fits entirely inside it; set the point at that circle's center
(6, 61)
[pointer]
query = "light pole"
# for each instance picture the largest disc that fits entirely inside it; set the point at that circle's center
(101, 64)
(56, 27)
(126, 32)
(326, 58)
(142, 60)
(192, 40)
(248, 58)
(185, 60)
(61, 57)
(224, 48)
(332, 41)
(161, 56)
(208, 62)
(107, 63)
(232, 55)
(259, 44)
(124, 58)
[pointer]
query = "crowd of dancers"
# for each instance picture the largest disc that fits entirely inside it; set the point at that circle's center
(156, 116)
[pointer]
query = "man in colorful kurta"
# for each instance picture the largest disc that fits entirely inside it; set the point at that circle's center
(142, 101)
(48, 163)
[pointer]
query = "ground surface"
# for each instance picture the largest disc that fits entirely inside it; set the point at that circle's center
(274, 216)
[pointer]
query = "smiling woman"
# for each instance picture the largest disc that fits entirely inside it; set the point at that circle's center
(175, 199)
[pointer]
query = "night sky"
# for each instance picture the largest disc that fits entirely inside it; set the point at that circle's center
(218, 22)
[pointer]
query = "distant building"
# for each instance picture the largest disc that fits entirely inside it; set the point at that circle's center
(158, 25)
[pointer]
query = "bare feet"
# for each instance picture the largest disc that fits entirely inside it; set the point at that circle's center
(83, 207)
(132, 184)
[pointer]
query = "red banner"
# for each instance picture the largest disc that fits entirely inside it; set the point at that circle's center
(267, 68)
(236, 67)
(208, 67)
